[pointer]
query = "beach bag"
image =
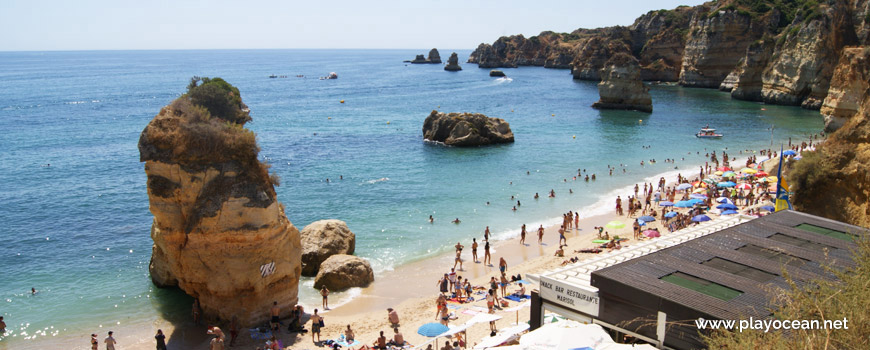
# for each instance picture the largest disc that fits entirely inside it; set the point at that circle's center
(321, 322)
(504, 303)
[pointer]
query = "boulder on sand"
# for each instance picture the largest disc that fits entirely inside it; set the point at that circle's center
(322, 239)
(341, 272)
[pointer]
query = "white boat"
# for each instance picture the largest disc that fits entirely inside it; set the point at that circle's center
(707, 133)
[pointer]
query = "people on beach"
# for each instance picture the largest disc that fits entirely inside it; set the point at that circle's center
(487, 258)
(473, 249)
(562, 235)
(234, 327)
(523, 234)
(325, 294)
(274, 312)
(502, 265)
(503, 283)
(316, 323)
(398, 339)
(541, 234)
(381, 342)
(458, 260)
(160, 339)
(110, 341)
(95, 343)
(443, 283)
(451, 277)
(348, 335)
(393, 317)
(486, 234)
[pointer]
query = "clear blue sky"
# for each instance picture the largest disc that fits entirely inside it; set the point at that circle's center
(28, 25)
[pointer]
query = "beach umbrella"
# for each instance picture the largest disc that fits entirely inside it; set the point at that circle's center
(729, 212)
(699, 190)
(768, 208)
(666, 204)
(789, 153)
(646, 218)
(698, 196)
(723, 168)
(798, 158)
(761, 173)
(641, 222)
(683, 204)
(728, 174)
(709, 180)
(615, 224)
(695, 201)
(726, 184)
(744, 186)
(700, 218)
(772, 178)
(724, 200)
(432, 329)
(719, 172)
(670, 214)
(726, 206)
(652, 233)
(748, 171)
(684, 186)
(764, 179)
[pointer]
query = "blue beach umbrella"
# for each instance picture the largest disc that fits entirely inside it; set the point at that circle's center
(683, 204)
(789, 153)
(432, 329)
(700, 218)
(723, 200)
(641, 222)
(684, 186)
(768, 208)
(698, 196)
(670, 214)
(666, 204)
(726, 206)
(695, 201)
(729, 212)
(646, 218)
(726, 184)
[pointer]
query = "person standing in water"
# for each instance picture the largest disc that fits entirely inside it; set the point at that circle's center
(486, 234)
(325, 294)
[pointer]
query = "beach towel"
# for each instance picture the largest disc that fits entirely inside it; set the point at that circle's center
(257, 335)
(470, 312)
(346, 345)
(514, 297)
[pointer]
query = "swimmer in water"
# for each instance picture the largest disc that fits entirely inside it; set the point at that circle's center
(431, 219)
(456, 221)
(33, 291)
(536, 195)
(515, 208)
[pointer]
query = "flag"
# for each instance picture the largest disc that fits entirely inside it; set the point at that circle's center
(782, 202)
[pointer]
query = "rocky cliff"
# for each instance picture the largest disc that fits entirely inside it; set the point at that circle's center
(779, 52)
(834, 181)
(621, 86)
(849, 85)
(466, 129)
(219, 233)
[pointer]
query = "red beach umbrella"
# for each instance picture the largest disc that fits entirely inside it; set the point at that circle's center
(652, 233)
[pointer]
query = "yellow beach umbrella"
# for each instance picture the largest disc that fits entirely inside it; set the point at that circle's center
(718, 173)
(772, 178)
(700, 190)
(748, 171)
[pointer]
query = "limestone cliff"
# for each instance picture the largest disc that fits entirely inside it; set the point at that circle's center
(621, 86)
(849, 85)
(799, 72)
(594, 50)
(547, 49)
(658, 39)
(219, 233)
(466, 129)
(834, 181)
(746, 80)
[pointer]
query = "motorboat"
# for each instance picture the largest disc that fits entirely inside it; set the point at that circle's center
(708, 133)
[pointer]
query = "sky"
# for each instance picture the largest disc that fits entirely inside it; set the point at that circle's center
(47, 25)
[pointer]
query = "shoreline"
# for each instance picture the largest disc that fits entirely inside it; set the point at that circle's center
(413, 303)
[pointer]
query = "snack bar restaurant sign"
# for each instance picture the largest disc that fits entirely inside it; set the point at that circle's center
(579, 298)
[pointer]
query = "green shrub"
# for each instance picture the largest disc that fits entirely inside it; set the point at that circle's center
(220, 98)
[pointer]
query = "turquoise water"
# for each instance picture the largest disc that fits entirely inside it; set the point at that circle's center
(78, 230)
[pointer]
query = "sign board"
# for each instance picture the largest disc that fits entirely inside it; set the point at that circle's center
(578, 298)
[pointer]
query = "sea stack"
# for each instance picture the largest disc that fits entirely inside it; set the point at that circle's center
(466, 129)
(453, 63)
(621, 86)
(434, 56)
(496, 73)
(219, 233)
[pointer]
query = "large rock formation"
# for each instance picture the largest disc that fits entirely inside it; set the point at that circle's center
(800, 71)
(419, 59)
(453, 63)
(849, 86)
(658, 39)
(322, 239)
(834, 181)
(594, 51)
(745, 81)
(466, 129)
(341, 272)
(219, 233)
(548, 49)
(621, 86)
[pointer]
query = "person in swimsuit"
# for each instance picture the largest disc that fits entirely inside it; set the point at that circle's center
(348, 334)
(325, 294)
(562, 236)
(315, 326)
(275, 312)
(458, 260)
(486, 234)
(474, 249)
(487, 258)
(442, 283)
(541, 234)
(502, 265)
(523, 235)
(576, 221)
(95, 344)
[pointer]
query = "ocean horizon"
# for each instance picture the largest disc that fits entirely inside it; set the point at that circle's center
(76, 216)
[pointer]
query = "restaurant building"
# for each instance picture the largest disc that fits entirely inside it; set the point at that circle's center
(722, 269)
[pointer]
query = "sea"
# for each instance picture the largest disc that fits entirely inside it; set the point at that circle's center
(74, 216)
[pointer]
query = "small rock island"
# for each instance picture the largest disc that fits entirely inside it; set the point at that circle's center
(453, 63)
(434, 57)
(466, 129)
(621, 86)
